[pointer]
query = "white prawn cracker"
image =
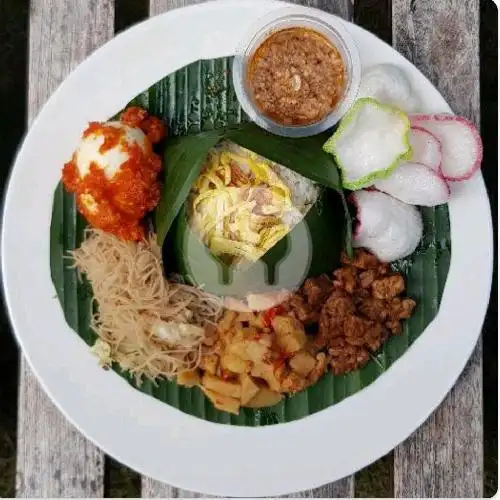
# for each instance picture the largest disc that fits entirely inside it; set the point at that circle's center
(462, 147)
(426, 148)
(388, 84)
(416, 184)
(387, 227)
(371, 141)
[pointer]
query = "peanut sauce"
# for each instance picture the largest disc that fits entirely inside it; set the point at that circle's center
(296, 76)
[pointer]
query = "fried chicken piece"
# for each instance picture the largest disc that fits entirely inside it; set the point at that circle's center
(364, 309)
(376, 341)
(316, 290)
(388, 287)
(336, 309)
(401, 308)
(346, 357)
(383, 269)
(300, 309)
(360, 294)
(346, 278)
(374, 309)
(362, 260)
(395, 327)
(366, 278)
(362, 332)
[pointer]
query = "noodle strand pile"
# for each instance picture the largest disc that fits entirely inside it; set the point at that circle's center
(150, 326)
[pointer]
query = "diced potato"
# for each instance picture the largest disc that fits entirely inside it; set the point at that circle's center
(209, 363)
(223, 403)
(264, 398)
(267, 372)
(260, 323)
(303, 363)
(223, 387)
(246, 332)
(248, 388)
(227, 320)
(280, 370)
(235, 364)
(290, 333)
(251, 350)
(245, 316)
(189, 379)
(257, 351)
(238, 348)
(226, 337)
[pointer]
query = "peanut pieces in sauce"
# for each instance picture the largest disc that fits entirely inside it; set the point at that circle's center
(296, 76)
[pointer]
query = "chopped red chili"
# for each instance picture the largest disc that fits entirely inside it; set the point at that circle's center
(270, 314)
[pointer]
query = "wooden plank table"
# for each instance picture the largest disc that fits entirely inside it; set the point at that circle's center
(444, 458)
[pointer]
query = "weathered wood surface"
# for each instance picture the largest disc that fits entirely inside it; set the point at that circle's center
(160, 6)
(342, 8)
(53, 459)
(444, 458)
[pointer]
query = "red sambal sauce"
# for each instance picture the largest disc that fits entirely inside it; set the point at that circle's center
(118, 205)
(153, 127)
(296, 76)
(112, 135)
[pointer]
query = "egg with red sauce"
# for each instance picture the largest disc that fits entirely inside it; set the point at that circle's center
(108, 147)
(114, 173)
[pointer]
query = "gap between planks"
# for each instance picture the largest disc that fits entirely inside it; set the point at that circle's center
(444, 458)
(53, 458)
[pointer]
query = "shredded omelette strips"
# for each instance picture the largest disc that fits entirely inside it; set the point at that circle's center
(239, 205)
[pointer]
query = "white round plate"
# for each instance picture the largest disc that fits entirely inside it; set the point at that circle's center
(148, 435)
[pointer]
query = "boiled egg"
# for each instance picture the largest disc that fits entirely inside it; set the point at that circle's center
(110, 161)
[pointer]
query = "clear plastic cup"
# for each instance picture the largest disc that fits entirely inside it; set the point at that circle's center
(290, 17)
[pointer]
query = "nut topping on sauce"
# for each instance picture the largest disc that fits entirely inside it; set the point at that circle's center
(296, 76)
